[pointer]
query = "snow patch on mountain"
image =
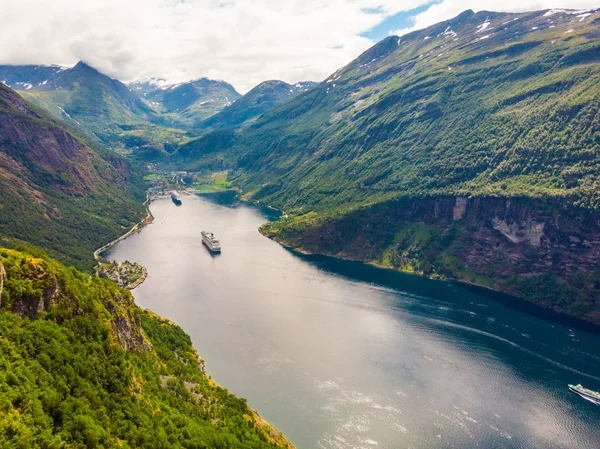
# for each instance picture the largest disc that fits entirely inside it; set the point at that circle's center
(483, 26)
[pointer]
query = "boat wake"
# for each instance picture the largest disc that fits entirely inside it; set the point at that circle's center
(513, 344)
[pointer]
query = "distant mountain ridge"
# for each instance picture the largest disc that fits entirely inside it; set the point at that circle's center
(26, 77)
(154, 100)
(82, 96)
(147, 117)
(104, 108)
(262, 98)
(185, 104)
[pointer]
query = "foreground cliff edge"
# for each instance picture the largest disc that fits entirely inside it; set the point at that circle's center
(81, 364)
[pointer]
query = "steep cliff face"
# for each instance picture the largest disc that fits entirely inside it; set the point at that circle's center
(542, 251)
(37, 286)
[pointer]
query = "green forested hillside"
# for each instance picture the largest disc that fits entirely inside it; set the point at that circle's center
(82, 367)
(483, 104)
(467, 150)
(55, 191)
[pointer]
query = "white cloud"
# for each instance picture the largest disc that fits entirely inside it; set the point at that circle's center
(447, 9)
(241, 41)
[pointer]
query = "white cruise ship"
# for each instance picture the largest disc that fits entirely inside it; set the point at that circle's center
(211, 242)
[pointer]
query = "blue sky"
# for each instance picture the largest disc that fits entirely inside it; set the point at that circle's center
(399, 21)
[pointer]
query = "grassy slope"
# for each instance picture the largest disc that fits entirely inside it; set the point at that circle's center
(517, 114)
(56, 192)
(89, 369)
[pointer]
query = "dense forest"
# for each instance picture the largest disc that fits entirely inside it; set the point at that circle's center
(82, 366)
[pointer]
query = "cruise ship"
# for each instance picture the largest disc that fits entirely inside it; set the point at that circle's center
(176, 198)
(589, 395)
(211, 242)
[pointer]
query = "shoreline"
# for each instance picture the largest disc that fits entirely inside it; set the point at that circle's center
(277, 436)
(136, 228)
(506, 299)
(140, 280)
(511, 301)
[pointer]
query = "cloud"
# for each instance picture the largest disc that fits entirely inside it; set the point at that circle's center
(241, 41)
(447, 9)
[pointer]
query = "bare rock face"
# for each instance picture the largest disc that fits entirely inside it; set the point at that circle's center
(460, 207)
(126, 325)
(529, 231)
(2, 277)
(129, 333)
(201, 364)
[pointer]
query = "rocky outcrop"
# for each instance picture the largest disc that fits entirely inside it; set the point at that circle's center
(540, 250)
(47, 288)
(201, 364)
(126, 325)
(2, 277)
(460, 207)
(46, 282)
(129, 334)
(530, 232)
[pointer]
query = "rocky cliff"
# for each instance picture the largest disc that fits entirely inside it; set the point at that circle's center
(543, 251)
(37, 287)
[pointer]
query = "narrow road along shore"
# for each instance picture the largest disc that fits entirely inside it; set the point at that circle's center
(137, 227)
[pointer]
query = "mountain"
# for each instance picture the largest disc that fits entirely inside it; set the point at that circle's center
(262, 98)
(25, 77)
(467, 150)
(82, 366)
(145, 86)
(184, 104)
(479, 104)
(57, 192)
(102, 107)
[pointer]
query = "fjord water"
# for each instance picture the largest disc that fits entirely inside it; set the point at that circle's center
(342, 355)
